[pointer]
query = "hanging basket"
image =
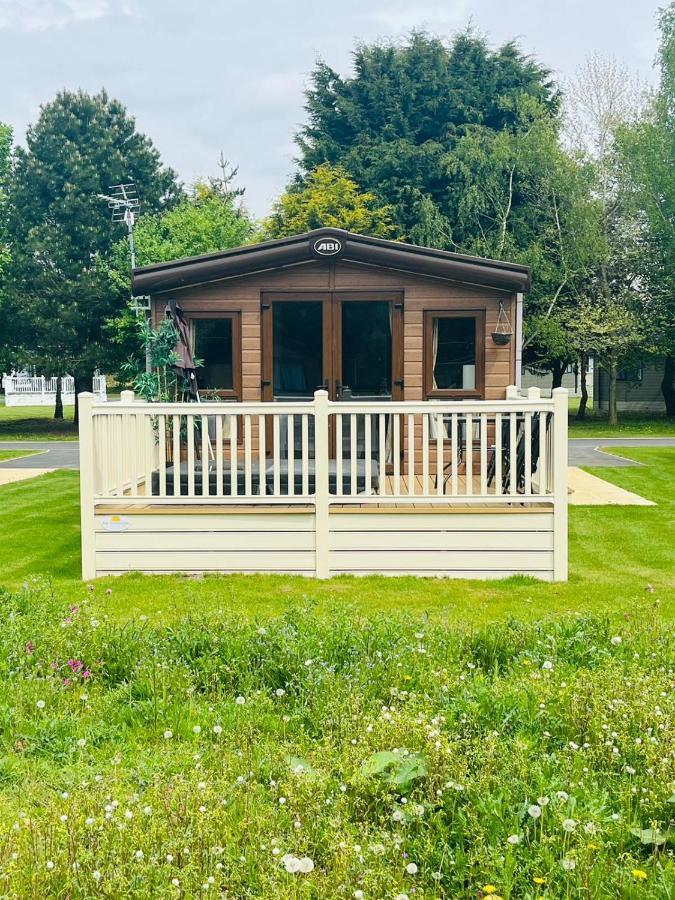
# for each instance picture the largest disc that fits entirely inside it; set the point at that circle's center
(503, 333)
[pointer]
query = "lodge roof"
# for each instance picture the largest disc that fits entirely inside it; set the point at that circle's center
(329, 244)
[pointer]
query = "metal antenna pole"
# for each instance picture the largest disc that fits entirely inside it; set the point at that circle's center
(124, 202)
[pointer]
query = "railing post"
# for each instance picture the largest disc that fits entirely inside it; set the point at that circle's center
(512, 392)
(321, 485)
(87, 522)
(560, 499)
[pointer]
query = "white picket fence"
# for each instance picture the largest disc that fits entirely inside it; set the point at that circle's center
(36, 390)
(492, 456)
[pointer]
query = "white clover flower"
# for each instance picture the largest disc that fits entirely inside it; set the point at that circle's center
(128, 815)
(217, 729)
(280, 692)
(169, 858)
(96, 875)
(240, 700)
(139, 854)
(197, 729)
(513, 839)
(401, 897)
(40, 704)
(282, 801)
(50, 864)
(630, 770)
(569, 824)
(168, 735)
(358, 895)
(616, 640)
(547, 665)
(534, 811)
(89, 821)
(411, 868)
(175, 882)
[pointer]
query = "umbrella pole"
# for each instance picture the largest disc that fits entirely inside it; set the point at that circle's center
(198, 399)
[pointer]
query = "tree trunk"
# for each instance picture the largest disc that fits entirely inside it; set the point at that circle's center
(58, 403)
(557, 370)
(612, 417)
(82, 383)
(583, 373)
(667, 386)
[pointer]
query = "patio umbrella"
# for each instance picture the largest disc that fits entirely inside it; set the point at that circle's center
(185, 365)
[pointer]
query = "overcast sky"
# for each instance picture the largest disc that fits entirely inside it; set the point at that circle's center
(203, 76)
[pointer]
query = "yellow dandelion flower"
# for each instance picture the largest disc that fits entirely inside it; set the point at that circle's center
(640, 874)
(593, 846)
(489, 889)
(539, 880)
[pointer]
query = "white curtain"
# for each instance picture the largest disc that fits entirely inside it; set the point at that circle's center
(434, 351)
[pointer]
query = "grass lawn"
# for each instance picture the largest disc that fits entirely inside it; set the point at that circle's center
(615, 553)
(260, 737)
(35, 423)
(16, 454)
(630, 424)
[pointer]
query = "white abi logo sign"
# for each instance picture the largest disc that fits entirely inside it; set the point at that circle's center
(327, 246)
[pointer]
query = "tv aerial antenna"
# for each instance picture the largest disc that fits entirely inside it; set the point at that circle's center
(125, 204)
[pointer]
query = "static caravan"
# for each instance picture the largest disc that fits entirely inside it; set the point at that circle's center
(359, 414)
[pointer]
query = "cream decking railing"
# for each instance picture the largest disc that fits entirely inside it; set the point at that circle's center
(322, 455)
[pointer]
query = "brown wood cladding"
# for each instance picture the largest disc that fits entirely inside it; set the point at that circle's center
(420, 293)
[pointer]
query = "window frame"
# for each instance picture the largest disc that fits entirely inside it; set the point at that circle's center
(477, 393)
(233, 394)
(635, 368)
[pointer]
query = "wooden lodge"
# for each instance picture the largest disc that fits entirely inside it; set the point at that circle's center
(360, 413)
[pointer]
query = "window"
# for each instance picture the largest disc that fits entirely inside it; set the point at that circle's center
(630, 373)
(217, 344)
(453, 354)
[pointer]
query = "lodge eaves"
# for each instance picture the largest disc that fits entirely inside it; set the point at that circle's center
(302, 248)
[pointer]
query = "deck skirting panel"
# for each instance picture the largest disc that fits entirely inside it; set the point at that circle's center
(484, 545)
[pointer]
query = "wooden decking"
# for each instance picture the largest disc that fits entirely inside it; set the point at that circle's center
(423, 506)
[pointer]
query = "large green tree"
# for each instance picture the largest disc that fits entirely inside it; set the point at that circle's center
(648, 157)
(59, 227)
(396, 121)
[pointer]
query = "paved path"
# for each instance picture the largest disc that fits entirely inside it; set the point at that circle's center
(583, 452)
(52, 455)
(588, 452)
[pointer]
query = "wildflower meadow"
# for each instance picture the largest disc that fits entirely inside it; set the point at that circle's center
(305, 756)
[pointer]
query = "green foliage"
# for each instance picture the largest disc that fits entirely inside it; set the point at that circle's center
(399, 771)
(148, 760)
(394, 123)
(209, 218)
(328, 197)
(647, 151)
(60, 306)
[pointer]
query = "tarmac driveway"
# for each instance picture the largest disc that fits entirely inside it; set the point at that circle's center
(582, 452)
(588, 451)
(51, 455)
